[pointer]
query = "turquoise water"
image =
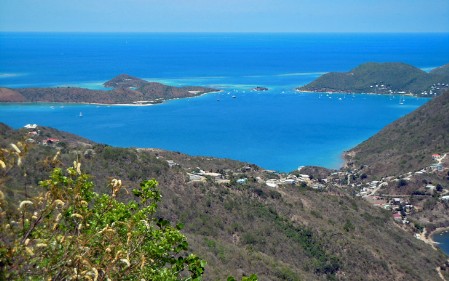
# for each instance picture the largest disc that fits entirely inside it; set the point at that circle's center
(278, 129)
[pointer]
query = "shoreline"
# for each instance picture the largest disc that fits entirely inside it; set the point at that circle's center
(136, 103)
(438, 230)
(358, 93)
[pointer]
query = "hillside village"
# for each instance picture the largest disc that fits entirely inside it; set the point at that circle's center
(242, 210)
(405, 208)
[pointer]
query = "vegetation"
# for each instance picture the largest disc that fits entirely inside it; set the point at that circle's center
(289, 233)
(126, 89)
(70, 232)
(382, 78)
(407, 144)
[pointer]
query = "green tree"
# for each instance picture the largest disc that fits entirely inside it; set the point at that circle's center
(70, 232)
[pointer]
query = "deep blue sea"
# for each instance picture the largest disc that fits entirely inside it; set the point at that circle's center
(279, 129)
(442, 239)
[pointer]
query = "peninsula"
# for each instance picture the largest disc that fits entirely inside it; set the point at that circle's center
(383, 78)
(126, 89)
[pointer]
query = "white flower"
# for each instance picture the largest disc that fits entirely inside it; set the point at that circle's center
(24, 203)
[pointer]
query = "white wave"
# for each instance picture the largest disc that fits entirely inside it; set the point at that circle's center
(9, 75)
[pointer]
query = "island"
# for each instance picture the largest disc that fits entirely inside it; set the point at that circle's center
(125, 89)
(260, 89)
(383, 78)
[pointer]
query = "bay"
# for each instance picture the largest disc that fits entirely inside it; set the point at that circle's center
(279, 129)
(442, 238)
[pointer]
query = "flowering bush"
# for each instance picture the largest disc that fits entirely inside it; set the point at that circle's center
(70, 232)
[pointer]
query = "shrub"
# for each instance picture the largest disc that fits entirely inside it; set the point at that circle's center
(70, 232)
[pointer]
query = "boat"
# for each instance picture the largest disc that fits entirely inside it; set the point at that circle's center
(401, 100)
(81, 114)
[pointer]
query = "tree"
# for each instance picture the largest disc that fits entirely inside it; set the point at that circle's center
(70, 232)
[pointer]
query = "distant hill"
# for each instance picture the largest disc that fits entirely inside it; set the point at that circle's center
(126, 90)
(383, 78)
(408, 143)
(285, 233)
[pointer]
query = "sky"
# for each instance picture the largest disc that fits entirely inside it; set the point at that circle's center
(224, 15)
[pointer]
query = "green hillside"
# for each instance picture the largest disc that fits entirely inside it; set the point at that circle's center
(383, 78)
(287, 233)
(125, 90)
(408, 143)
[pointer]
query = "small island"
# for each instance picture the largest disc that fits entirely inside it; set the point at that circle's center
(260, 89)
(383, 78)
(126, 89)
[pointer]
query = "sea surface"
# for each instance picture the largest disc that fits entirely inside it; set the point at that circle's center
(442, 239)
(279, 129)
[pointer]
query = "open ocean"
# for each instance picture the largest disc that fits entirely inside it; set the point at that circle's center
(279, 129)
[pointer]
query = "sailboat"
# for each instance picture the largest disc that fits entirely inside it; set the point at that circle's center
(81, 114)
(401, 100)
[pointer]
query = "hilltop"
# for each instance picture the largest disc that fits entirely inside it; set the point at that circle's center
(126, 90)
(383, 78)
(292, 229)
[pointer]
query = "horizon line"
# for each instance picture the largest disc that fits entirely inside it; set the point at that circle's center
(235, 32)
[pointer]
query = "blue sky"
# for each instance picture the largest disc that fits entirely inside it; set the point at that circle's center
(225, 15)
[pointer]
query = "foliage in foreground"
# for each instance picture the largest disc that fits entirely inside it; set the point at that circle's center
(70, 232)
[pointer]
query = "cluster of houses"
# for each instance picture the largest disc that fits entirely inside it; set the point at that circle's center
(436, 89)
(34, 132)
(399, 206)
(276, 180)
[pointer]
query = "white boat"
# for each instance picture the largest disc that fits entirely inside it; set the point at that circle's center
(81, 114)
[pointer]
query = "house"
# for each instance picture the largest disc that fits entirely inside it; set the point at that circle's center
(430, 187)
(171, 163)
(51, 140)
(216, 176)
(445, 198)
(272, 183)
(193, 177)
(242, 181)
(30, 126)
(436, 156)
(397, 217)
(396, 201)
(289, 181)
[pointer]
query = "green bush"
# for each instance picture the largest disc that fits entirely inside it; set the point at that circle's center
(70, 232)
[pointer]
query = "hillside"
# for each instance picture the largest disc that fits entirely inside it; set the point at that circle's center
(383, 78)
(408, 143)
(292, 232)
(126, 90)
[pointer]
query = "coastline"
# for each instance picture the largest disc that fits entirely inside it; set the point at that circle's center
(438, 230)
(136, 103)
(358, 93)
